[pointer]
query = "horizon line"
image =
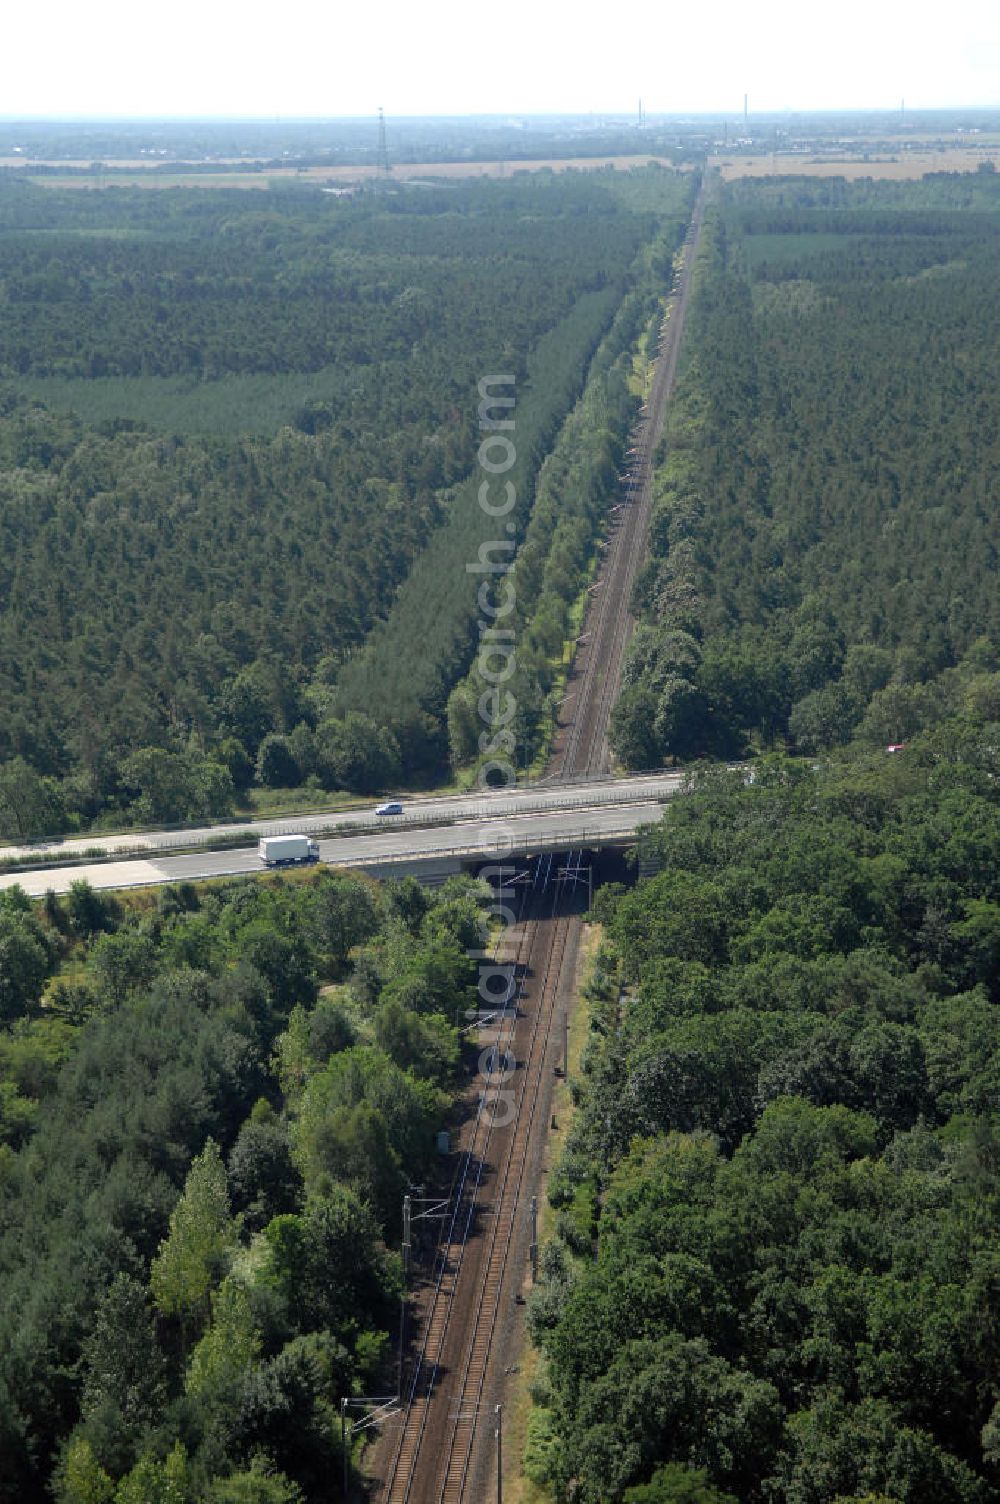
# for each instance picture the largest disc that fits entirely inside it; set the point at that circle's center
(629, 113)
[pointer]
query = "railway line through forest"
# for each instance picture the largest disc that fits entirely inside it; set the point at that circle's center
(438, 1448)
(443, 1392)
(581, 744)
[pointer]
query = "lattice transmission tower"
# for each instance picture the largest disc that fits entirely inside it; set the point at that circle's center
(383, 147)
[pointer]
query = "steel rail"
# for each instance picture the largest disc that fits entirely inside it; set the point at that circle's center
(451, 1252)
(497, 1256)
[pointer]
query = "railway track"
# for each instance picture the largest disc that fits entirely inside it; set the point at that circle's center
(434, 1460)
(495, 1158)
(468, 1395)
(608, 625)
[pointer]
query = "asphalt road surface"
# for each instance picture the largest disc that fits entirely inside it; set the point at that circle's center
(522, 800)
(551, 829)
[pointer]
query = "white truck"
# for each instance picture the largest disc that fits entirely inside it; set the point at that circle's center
(283, 851)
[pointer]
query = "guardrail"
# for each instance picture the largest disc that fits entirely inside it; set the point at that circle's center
(555, 841)
(349, 828)
(420, 821)
(510, 811)
(491, 845)
(184, 832)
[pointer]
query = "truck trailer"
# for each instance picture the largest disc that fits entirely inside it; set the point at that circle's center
(285, 851)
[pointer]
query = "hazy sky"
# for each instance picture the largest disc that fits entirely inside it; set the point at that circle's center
(217, 57)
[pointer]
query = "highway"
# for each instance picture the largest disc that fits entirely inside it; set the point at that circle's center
(494, 804)
(560, 827)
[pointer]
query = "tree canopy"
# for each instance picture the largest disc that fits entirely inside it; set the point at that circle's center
(202, 1161)
(773, 1270)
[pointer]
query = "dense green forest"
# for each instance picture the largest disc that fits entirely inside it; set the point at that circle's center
(229, 425)
(564, 485)
(211, 1102)
(576, 484)
(777, 1252)
(774, 1276)
(824, 543)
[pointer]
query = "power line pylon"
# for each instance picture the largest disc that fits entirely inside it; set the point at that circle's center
(383, 148)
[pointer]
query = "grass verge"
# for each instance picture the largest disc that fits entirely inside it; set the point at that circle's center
(517, 1489)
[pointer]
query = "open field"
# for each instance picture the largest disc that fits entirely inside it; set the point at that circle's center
(160, 180)
(906, 166)
(138, 164)
(346, 176)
